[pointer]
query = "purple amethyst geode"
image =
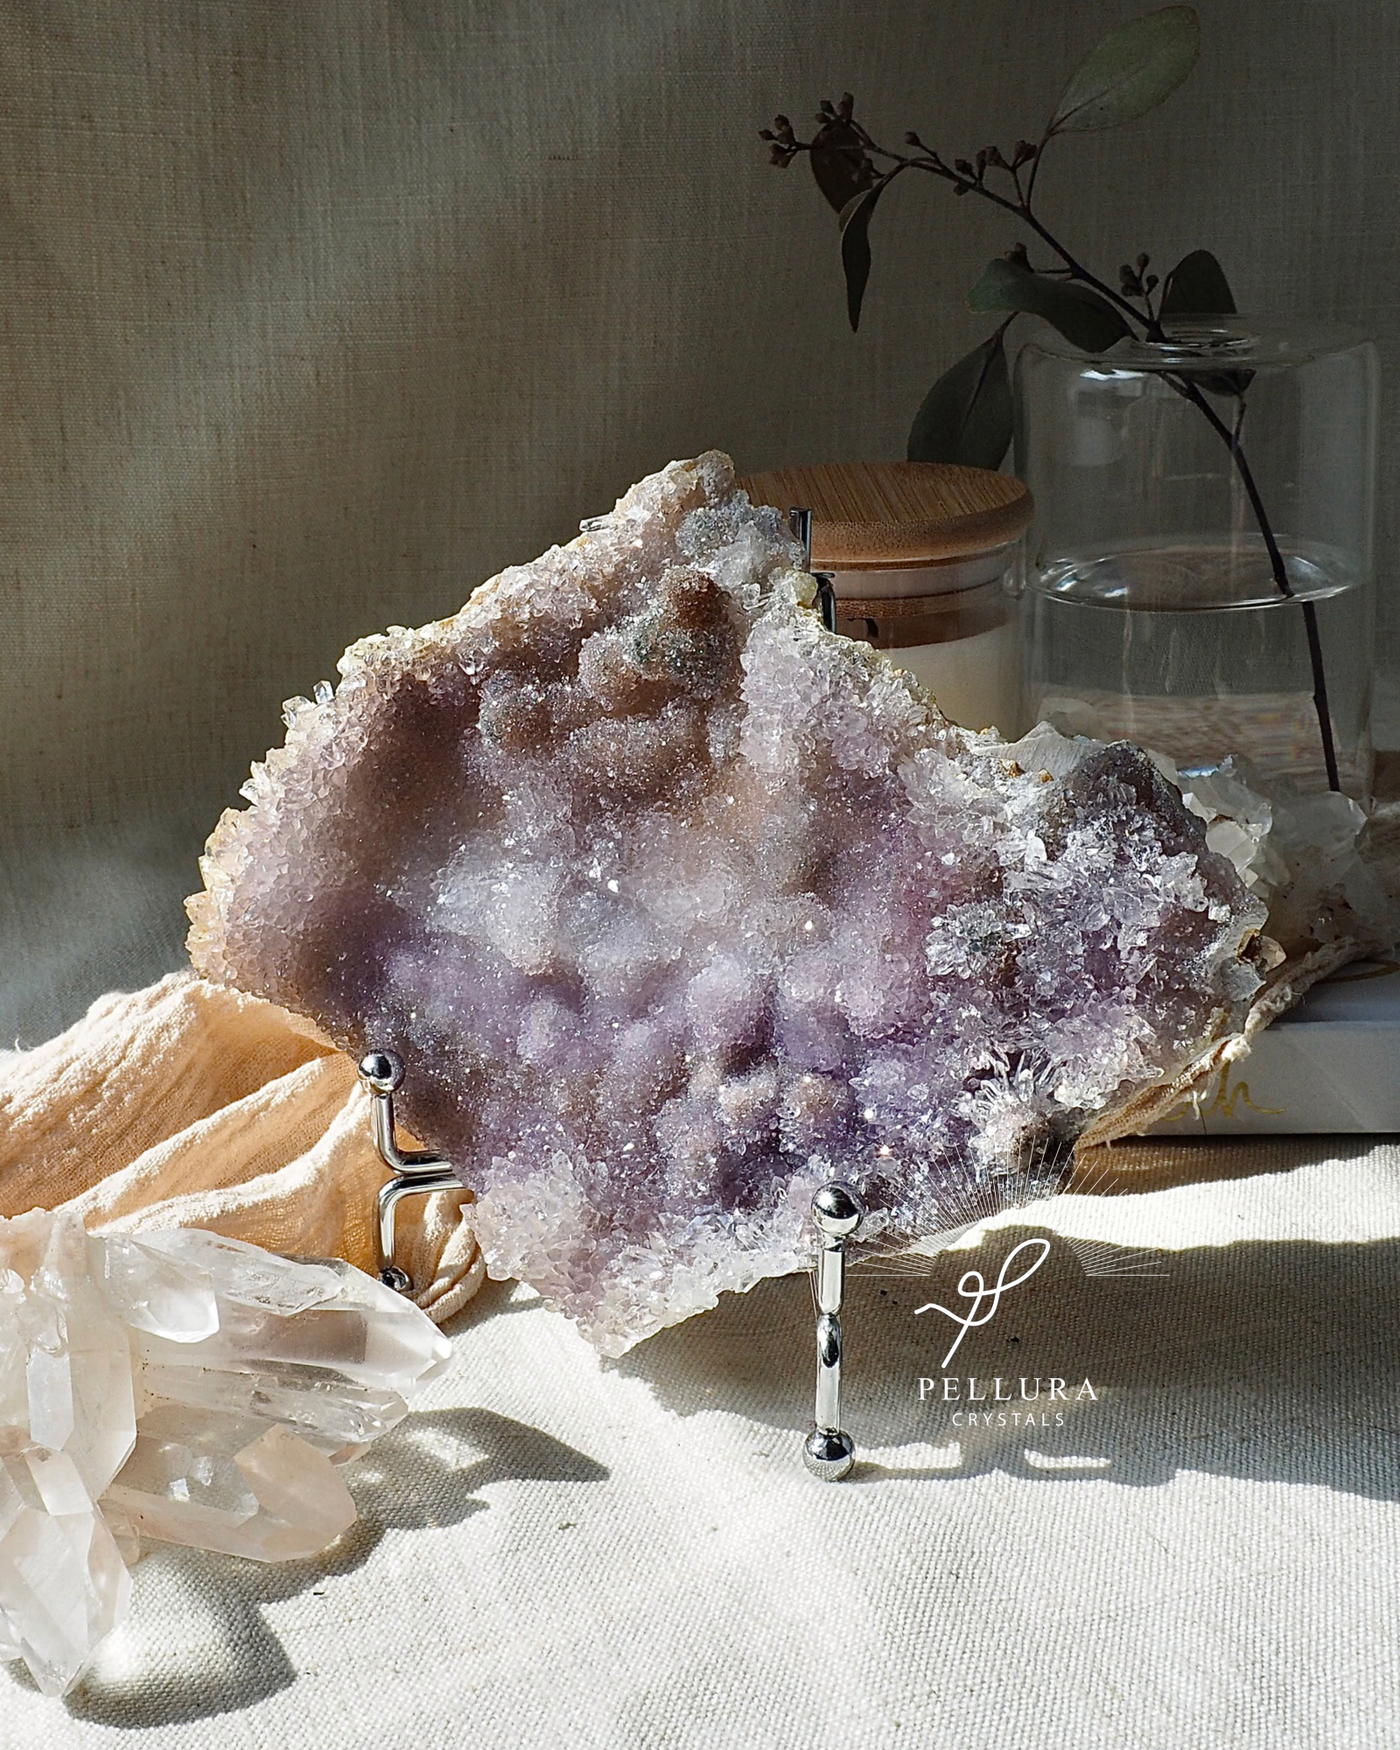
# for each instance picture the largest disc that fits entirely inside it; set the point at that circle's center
(675, 905)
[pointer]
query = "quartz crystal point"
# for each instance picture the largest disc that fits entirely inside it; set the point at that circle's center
(189, 1388)
(675, 905)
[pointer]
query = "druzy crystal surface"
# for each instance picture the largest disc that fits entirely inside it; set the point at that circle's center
(181, 1387)
(676, 905)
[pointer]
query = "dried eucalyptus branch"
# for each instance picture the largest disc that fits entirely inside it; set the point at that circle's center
(966, 415)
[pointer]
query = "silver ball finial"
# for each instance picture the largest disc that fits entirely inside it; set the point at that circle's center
(381, 1071)
(829, 1454)
(837, 1210)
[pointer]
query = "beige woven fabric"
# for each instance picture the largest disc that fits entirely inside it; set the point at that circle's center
(185, 1105)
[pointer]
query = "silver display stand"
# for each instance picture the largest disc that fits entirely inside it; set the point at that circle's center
(837, 1212)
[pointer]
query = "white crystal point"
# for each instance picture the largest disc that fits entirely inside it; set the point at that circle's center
(315, 1347)
(183, 1387)
(245, 1275)
(63, 1584)
(370, 1334)
(321, 1407)
(675, 906)
(238, 1484)
(81, 1399)
(156, 1290)
(325, 1323)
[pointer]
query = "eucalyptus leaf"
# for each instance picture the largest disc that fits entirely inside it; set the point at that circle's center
(1130, 72)
(966, 415)
(1197, 286)
(840, 164)
(1084, 317)
(855, 247)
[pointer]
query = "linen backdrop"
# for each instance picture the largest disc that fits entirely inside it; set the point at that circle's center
(314, 316)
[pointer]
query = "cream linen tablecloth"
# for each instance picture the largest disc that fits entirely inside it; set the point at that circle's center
(558, 1552)
(190, 1105)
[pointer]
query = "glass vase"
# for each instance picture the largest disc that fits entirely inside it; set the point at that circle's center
(1199, 574)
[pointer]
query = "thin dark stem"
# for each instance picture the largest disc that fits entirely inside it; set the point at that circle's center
(1319, 675)
(1151, 327)
(1021, 209)
(1195, 396)
(1035, 165)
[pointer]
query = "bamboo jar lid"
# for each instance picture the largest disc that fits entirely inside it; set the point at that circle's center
(888, 516)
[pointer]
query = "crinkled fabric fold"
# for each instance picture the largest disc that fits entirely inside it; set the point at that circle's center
(184, 1105)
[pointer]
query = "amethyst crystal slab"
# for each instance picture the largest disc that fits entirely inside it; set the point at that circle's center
(676, 905)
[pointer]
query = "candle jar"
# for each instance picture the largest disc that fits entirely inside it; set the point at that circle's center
(1199, 576)
(924, 559)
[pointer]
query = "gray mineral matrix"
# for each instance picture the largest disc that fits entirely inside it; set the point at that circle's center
(676, 905)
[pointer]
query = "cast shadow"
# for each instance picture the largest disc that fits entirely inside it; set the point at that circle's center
(494, 1299)
(1135, 1164)
(1262, 1360)
(427, 1472)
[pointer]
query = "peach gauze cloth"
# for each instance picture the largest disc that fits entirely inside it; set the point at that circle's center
(187, 1105)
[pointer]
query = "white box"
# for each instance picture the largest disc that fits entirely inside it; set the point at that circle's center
(1331, 1064)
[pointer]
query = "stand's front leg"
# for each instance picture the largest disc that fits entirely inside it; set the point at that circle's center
(837, 1211)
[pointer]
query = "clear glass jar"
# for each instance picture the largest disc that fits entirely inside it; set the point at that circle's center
(952, 625)
(1156, 608)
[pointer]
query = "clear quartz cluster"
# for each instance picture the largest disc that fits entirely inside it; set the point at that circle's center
(676, 905)
(181, 1387)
